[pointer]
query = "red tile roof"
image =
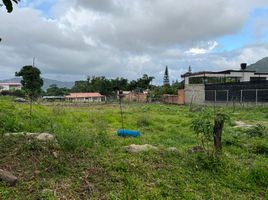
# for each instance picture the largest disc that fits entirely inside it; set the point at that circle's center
(83, 95)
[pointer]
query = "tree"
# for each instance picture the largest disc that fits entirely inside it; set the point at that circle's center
(142, 83)
(31, 82)
(208, 131)
(101, 84)
(81, 86)
(119, 84)
(145, 82)
(8, 4)
(190, 69)
(54, 90)
(166, 78)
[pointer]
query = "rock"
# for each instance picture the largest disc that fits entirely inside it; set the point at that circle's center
(45, 137)
(14, 134)
(133, 148)
(240, 124)
(172, 149)
(196, 149)
(55, 154)
(31, 134)
(37, 172)
(8, 177)
(21, 134)
(38, 136)
(21, 100)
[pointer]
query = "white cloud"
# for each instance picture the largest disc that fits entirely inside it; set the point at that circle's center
(198, 50)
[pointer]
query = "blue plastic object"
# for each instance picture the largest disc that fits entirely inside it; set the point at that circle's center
(128, 133)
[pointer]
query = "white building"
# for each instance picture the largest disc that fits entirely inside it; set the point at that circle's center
(195, 82)
(10, 86)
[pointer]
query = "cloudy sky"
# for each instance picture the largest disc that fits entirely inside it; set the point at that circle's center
(122, 38)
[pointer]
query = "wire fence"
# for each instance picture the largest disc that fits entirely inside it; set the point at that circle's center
(242, 96)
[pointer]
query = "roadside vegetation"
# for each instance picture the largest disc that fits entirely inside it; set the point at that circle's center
(88, 161)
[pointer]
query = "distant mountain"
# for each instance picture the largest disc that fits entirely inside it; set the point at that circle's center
(47, 82)
(260, 66)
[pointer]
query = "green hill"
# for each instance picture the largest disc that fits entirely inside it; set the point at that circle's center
(260, 66)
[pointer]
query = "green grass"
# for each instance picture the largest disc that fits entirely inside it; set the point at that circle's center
(92, 164)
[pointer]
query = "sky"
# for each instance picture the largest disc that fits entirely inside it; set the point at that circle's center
(73, 39)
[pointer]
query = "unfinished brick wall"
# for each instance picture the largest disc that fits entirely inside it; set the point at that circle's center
(171, 99)
(181, 97)
(135, 97)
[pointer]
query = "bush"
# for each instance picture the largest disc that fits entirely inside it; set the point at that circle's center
(203, 127)
(257, 131)
(19, 93)
(260, 147)
(5, 92)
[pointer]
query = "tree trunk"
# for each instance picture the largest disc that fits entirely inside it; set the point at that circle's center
(218, 127)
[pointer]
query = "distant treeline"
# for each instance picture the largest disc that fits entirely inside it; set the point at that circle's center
(109, 87)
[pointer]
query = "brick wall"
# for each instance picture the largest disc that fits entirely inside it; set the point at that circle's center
(135, 97)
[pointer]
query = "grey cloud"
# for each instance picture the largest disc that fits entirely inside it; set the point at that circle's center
(98, 5)
(163, 23)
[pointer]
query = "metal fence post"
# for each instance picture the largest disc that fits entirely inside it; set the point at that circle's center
(256, 97)
(241, 96)
(215, 96)
(227, 96)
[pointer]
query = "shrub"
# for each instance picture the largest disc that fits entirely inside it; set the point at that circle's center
(208, 128)
(203, 127)
(260, 147)
(257, 131)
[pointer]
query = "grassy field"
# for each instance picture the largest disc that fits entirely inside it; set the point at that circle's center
(92, 164)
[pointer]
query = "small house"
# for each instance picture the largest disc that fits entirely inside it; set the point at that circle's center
(85, 97)
(10, 86)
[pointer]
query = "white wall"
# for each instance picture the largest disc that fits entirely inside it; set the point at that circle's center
(195, 93)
